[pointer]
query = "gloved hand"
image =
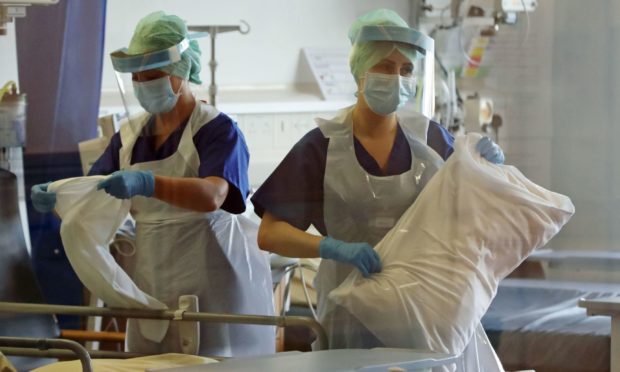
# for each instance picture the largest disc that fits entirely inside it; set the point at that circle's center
(360, 255)
(490, 150)
(126, 184)
(42, 200)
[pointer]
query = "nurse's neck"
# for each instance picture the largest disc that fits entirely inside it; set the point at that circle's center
(367, 124)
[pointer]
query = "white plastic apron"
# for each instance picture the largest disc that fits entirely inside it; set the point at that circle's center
(360, 207)
(211, 255)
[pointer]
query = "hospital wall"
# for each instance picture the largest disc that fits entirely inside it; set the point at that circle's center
(585, 158)
(270, 54)
(263, 79)
(8, 62)
(557, 90)
(558, 93)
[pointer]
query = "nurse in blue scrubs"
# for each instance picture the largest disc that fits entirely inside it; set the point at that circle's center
(355, 175)
(184, 165)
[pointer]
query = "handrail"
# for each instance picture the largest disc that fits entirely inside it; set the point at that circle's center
(49, 344)
(173, 315)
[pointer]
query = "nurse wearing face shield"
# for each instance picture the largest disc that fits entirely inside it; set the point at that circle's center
(184, 166)
(356, 174)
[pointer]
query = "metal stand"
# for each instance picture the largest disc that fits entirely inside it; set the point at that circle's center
(213, 30)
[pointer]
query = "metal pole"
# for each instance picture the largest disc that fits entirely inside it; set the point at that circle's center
(280, 321)
(213, 66)
(66, 354)
(213, 30)
(47, 343)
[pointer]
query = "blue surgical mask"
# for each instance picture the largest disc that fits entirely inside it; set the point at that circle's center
(385, 93)
(156, 96)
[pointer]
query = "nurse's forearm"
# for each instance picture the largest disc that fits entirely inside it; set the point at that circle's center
(280, 237)
(197, 194)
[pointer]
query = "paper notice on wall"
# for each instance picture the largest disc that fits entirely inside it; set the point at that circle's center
(330, 68)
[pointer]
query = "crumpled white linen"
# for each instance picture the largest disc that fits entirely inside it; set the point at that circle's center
(90, 218)
(471, 226)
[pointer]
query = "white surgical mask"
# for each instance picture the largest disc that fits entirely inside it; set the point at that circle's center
(156, 96)
(386, 93)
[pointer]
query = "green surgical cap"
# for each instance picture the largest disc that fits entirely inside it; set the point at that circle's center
(158, 31)
(364, 55)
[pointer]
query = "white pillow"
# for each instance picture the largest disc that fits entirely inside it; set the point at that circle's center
(471, 226)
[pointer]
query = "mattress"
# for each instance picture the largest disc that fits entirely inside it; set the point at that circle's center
(536, 324)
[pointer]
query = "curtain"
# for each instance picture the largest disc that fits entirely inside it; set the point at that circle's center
(60, 57)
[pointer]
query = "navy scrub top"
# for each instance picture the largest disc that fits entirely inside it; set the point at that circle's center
(294, 191)
(221, 148)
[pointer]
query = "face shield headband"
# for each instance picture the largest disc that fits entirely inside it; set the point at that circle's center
(416, 39)
(130, 63)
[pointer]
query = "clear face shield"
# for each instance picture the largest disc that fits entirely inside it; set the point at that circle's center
(418, 48)
(425, 98)
(145, 84)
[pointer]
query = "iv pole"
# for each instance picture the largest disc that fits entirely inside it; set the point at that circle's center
(213, 30)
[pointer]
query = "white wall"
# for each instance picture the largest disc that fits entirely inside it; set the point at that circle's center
(8, 71)
(559, 96)
(517, 75)
(8, 61)
(520, 83)
(255, 71)
(269, 55)
(558, 92)
(586, 108)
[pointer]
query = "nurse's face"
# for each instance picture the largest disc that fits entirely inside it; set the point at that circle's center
(384, 96)
(148, 75)
(395, 63)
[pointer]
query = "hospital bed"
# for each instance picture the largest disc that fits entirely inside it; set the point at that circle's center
(21, 346)
(321, 360)
(379, 359)
(374, 360)
(603, 266)
(30, 336)
(28, 322)
(538, 323)
(28, 318)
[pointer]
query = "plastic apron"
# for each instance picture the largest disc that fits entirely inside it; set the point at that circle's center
(182, 252)
(359, 207)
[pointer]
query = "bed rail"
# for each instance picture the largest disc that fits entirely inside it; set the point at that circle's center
(173, 315)
(55, 348)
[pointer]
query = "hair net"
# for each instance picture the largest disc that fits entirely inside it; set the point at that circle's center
(364, 55)
(158, 31)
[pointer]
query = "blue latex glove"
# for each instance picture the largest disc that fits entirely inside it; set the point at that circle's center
(126, 184)
(360, 255)
(490, 150)
(42, 200)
